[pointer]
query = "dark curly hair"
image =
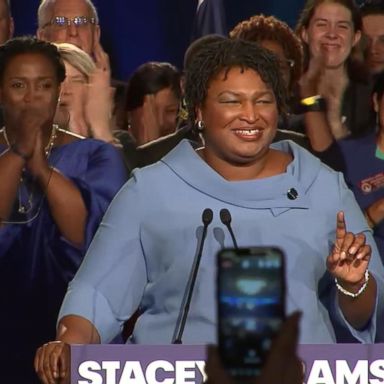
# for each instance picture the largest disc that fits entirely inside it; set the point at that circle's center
(31, 45)
(260, 28)
(223, 55)
(194, 47)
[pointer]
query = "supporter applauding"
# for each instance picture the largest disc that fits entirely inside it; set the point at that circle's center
(54, 190)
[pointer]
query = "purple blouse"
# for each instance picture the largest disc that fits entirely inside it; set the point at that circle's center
(36, 262)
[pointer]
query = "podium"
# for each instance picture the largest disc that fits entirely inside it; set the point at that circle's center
(184, 364)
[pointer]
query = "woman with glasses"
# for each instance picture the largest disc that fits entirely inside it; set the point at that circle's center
(54, 190)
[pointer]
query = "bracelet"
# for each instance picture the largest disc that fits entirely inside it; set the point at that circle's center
(359, 292)
(312, 104)
(14, 149)
(310, 100)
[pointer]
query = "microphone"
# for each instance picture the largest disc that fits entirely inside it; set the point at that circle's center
(206, 217)
(226, 219)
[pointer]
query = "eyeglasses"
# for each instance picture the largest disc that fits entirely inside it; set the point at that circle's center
(64, 22)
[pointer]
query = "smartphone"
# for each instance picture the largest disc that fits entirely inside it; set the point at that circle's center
(251, 306)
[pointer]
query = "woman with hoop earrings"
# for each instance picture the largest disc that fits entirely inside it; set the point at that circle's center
(54, 189)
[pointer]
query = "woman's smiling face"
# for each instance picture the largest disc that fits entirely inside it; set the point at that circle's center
(331, 33)
(240, 116)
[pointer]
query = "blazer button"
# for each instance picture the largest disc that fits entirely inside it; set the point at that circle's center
(292, 194)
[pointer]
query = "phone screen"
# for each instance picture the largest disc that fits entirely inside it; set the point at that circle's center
(251, 309)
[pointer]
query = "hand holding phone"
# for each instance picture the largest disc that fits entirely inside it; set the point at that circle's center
(282, 366)
(251, 306)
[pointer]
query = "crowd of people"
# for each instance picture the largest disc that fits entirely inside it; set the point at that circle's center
(282, 127)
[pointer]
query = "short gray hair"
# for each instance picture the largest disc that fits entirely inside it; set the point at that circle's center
(46, 3)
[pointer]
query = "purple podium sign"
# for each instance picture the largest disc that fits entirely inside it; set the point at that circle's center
(184, 364)
(137, 364)
(343, 363)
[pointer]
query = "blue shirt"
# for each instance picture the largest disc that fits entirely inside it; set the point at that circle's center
(364, 173)
(144, 249)
(37, 262)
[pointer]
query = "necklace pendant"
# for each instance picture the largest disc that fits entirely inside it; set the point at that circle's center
(22, 209)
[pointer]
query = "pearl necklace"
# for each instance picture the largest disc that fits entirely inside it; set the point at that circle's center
(24, 208)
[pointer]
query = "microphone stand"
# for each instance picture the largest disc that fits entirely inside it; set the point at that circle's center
(207, 217)
(226, 218)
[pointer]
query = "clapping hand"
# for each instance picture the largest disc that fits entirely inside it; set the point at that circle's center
(145, 121)
(101, 59)
(310, 81)
(99, 100)
(28, 127)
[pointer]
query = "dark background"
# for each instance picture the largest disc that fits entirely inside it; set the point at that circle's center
(136, 31)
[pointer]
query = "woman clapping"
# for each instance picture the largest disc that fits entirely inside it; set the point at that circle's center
(54, 190)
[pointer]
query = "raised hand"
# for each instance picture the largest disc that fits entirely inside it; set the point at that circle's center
(282, 365)
(145, 121)
(99, 100)
(26, 127)
(332, 86)
(350, 255)
(99, 105)
(214, 368)
(310, 81)
(101, 58)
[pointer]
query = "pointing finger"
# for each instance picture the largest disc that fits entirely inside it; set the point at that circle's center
(341, 228)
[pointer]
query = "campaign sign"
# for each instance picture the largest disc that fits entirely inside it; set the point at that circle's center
(343, 363)
(184, 364)
(137, 364)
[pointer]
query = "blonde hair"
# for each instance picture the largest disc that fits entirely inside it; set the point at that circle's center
(77, 58)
